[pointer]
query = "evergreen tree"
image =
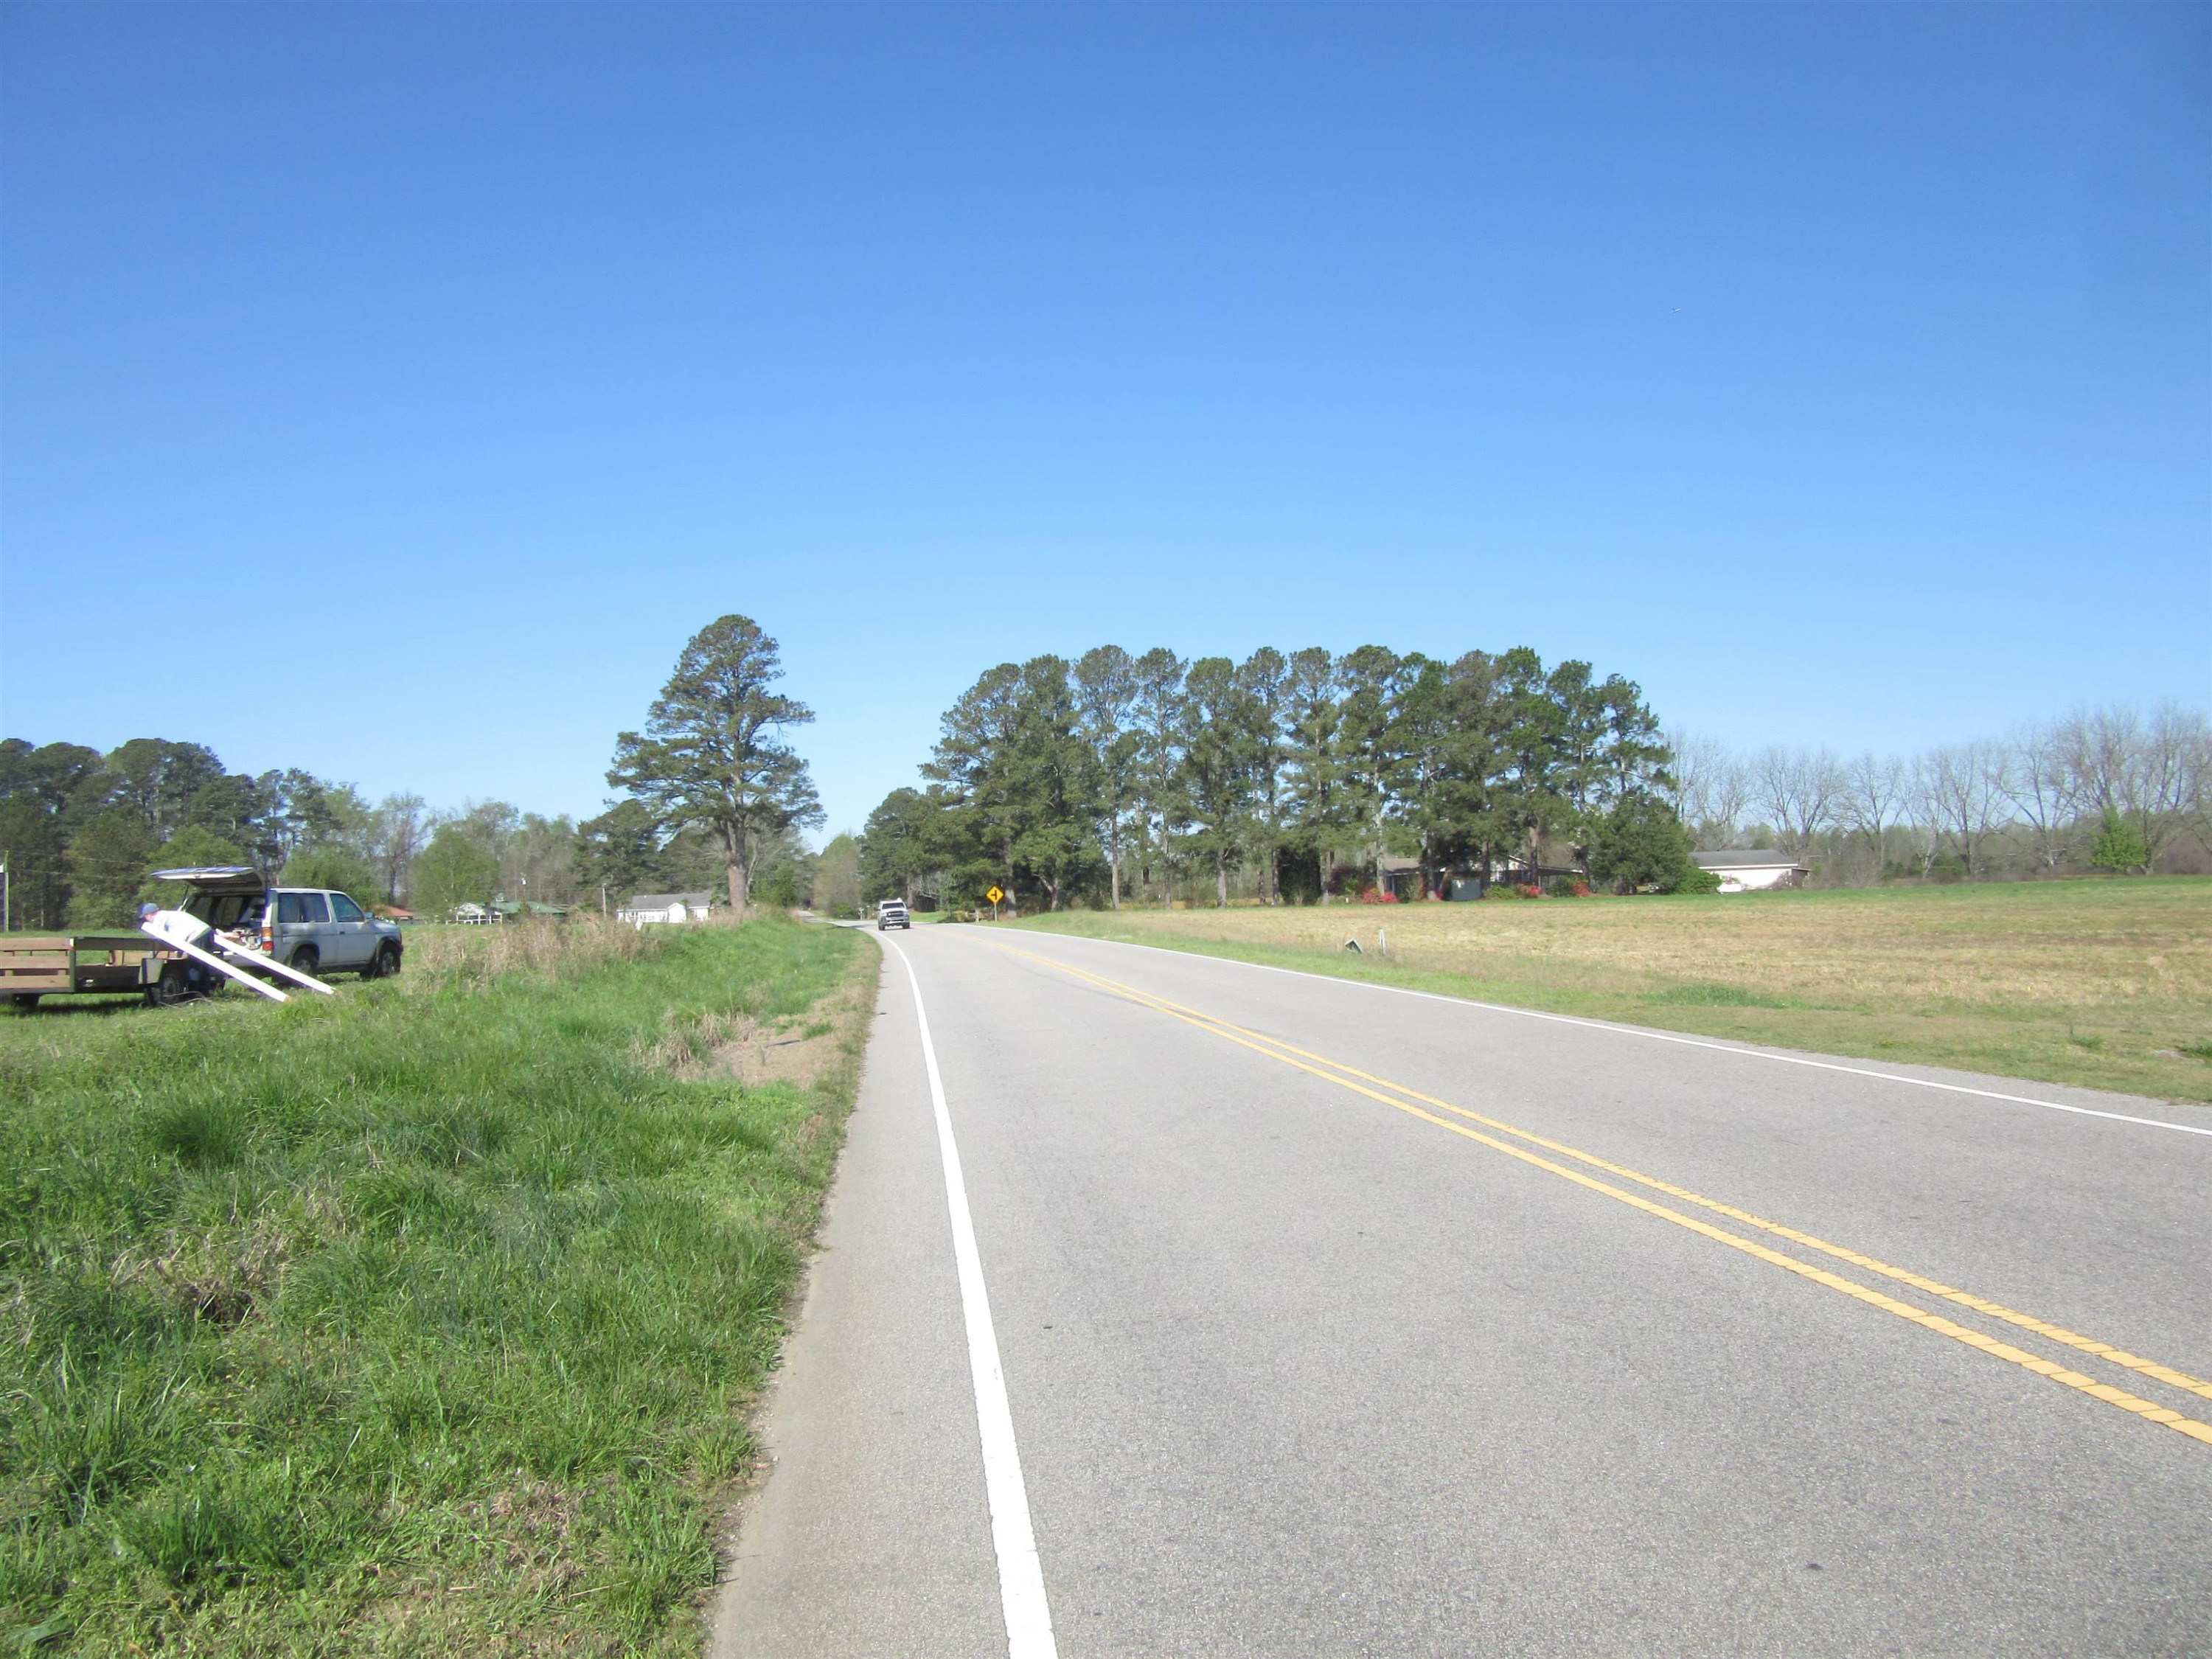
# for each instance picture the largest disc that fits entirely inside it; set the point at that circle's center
(619, 854)
(109, 857)
(1263, 679)
(1218, 762)
(1373, 678)
(711, 754)
(1157, 722)
(902, 843)
(1106, 691)
(1640, 842)
(1315, 792)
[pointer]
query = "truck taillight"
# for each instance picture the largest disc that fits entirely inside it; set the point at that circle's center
(268, 939)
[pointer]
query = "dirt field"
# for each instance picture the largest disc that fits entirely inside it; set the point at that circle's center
(2107, 984)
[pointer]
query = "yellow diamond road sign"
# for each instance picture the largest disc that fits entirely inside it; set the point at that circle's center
(994, 895)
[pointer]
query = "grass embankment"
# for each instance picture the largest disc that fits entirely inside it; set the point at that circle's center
(418, 1321)
(2107, 984)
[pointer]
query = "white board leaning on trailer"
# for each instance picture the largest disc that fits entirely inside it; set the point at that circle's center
(182, 931)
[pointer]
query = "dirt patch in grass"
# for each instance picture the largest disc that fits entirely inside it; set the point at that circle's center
(799, 1050)
(775, 1055)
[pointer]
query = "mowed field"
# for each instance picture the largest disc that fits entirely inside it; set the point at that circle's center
(2103, 984)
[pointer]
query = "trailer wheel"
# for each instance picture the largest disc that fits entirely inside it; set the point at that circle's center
(25, 1001)
(175, 986)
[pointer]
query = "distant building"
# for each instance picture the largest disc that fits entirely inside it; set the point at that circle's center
(1747, 870)
(665, 907)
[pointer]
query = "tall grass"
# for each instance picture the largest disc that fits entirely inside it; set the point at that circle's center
(416, 1321)
(557, 948)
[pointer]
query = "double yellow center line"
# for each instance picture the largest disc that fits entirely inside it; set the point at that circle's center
(1414, 1103)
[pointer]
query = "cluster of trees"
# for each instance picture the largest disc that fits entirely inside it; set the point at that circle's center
(2118, 788)
(713, 794)
(1290, 776)
(80, 829)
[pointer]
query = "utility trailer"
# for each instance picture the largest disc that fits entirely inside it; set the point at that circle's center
(231, 925)
(65, 964)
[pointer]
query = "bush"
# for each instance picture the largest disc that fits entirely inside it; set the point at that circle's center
(1694, 880)
(2119, 846)
(1641, 844)
(779, 889)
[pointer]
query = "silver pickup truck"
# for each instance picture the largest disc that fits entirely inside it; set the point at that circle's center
(314, 929)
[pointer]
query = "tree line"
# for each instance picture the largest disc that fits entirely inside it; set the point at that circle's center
(1296, 776)
(713, 796)
(82, 830)
(2119, 788)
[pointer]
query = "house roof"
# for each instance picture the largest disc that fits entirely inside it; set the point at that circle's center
(1748, 858)
(662, 901)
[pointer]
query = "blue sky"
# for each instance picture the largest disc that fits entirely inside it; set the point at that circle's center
(1844, 375)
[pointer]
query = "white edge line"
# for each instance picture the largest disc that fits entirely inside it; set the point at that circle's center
(1655, 1036)
(1021, 1576)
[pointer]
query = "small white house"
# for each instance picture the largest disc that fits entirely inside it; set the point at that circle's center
(664, 907)
(1748, 870)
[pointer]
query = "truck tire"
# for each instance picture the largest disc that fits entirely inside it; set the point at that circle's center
(385, 964)
(175, 986)
(306, 960)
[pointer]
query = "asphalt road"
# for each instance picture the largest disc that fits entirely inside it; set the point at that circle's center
(1295, 1364)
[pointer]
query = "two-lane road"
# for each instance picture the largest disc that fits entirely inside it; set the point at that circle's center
(1307, 1317)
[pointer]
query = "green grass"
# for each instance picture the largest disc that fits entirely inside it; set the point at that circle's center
(2107, 984)
(418, 1321)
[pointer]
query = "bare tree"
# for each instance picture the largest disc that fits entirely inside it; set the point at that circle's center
(2150, 773)
(1875, 789)
(2195, 776)
(1967, 782)
(2039, 785)
(1924, 810)
(2097, 746)
(1798, 790)
(1710, 791)
(2169, 776)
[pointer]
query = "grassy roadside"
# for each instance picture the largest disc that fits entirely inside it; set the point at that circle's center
(2103, 984)
(417, 1321)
